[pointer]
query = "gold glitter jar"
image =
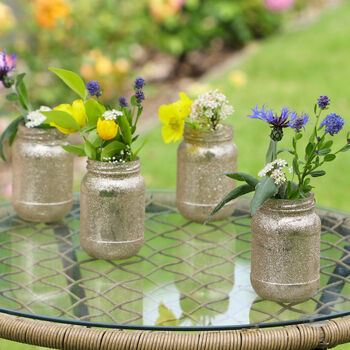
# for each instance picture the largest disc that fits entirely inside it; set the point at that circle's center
(42, 181)
(286, 250)
(202, 157)
(112, 209)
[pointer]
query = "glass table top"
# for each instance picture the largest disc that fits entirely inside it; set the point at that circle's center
(187, 276)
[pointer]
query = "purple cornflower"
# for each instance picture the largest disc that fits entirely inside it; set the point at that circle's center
(284, 120)
(7, 65)
(333, 122)
(140, 96)
(140, 83)
(323, 101)
(123, 102)
(299, 122)
(93, 87)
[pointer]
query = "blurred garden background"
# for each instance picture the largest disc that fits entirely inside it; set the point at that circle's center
(273, 52)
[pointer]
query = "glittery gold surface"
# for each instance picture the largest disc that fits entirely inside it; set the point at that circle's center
(42, 181)
(285, 260)
(201, 158)
(112, 210)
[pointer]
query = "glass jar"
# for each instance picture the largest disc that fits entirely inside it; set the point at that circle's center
(42, 181)
(202, 158)
(285, 259)
(112, 209)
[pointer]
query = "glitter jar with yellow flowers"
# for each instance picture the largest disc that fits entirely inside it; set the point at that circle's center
(112, 194)
(42, 172)
(206, 152)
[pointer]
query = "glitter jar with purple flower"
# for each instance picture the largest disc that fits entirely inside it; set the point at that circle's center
(282, 207)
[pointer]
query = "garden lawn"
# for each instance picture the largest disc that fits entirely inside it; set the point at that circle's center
(292, 70)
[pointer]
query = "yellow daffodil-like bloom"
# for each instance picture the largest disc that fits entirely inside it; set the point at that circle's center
(173, 117)
(107, 129)
(76, 110)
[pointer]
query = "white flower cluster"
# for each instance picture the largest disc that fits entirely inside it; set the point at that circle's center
(113, 160)
(35, 118)
(112, 115)
(210, 106)
(274, 170)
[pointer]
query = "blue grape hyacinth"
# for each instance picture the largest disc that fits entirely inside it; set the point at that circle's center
(333, 123)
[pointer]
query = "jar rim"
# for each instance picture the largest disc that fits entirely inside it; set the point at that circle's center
(223, 134)
(109, 168)
(286, 205)
(39, 133)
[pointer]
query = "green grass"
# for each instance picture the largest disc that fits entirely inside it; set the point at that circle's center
(292, 69)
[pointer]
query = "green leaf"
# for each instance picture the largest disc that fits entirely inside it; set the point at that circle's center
(285, 150)
(94, 110)
(22, 92)
(296, 166)
(9, 134)
(237, 192)
(317, 173)
(133, 101)
(250, 180)
(62, 119)
(112, 149)
(329, 157)
(309, 149)
(345, 148)
(315, 108)
(90, 150)
(125, 129)
(327, 144)
(324, 151)
(271, 152)
(72, 80)
(140, 148)
(13, 97)
(264, 190)
(94, 138)
(79, 150)
(298, 136)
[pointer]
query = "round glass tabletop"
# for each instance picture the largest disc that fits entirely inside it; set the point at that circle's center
(186, 277)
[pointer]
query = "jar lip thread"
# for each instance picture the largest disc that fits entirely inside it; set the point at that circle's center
(40, 134)
(106, 168)
(290, 205)
(223, 134)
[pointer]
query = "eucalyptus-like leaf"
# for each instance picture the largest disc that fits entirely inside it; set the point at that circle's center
(317, 173)
(133, 101)
(79, 150)
(264, 190)
(249, 179)
(285, 150)
(62, 119)
(309, 149)
(345, 148)
(94, 110)
(112, 149)
(9, 134)
(72, 80)
(90, 150)
(235, 193)
(327, 144)
(271, 152)
(324, 151)
(329, 157)
(125, 129)
(296, 167)
(22, 92)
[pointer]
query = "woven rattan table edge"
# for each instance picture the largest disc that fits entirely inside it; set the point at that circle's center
(62, 336)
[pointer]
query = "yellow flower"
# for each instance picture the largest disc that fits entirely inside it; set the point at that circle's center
(238, 78)
(48, 12)
(107, 129)
(173, 117)
(7, 18)
(76, 110)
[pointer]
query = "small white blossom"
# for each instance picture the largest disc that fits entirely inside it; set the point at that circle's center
(35, 118)
(291, 170)
(274, 170)
(210, 106)
(112, 115)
